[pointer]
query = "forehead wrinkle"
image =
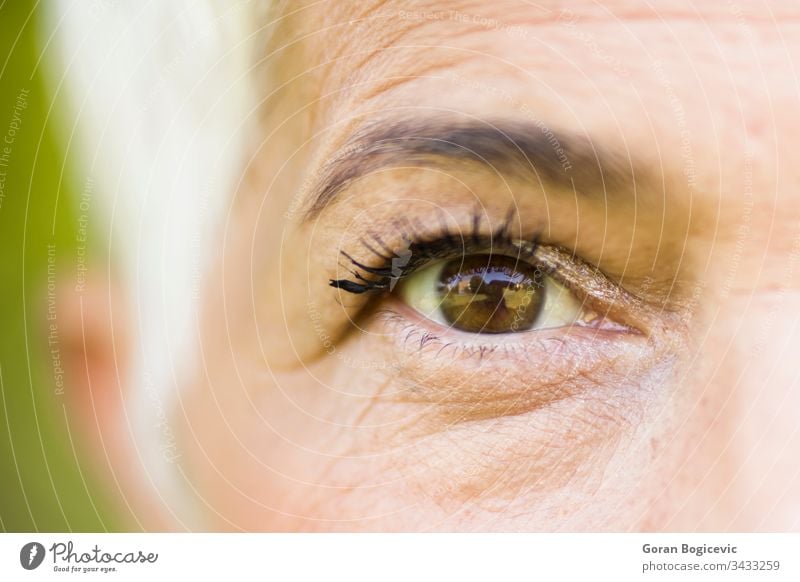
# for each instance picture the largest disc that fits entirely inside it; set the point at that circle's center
(368, 86)
(542, 12)
(594, 10)
(365, 30)
(363, 52)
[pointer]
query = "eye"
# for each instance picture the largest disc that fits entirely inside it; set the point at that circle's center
(491, 293)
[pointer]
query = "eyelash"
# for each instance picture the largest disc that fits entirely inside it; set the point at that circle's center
(420, 250)
(589, 284)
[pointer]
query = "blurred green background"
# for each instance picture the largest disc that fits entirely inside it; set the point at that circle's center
(44, 487)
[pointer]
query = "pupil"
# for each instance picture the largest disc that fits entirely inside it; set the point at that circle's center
(491, 294)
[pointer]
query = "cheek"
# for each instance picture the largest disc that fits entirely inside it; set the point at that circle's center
(339, 446)
(728, 463)
(295, 453)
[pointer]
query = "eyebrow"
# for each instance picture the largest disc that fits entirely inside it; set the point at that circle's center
(529, 149)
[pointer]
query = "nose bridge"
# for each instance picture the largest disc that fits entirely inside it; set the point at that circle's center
(763, 431)
(740, 469)
(754, 271)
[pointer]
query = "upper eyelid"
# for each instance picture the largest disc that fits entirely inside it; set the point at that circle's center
(595, 286)
(587, 281)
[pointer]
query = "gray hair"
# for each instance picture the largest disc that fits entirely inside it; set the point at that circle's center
(159, 93)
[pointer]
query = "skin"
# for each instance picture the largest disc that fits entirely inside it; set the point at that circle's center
(317, 410)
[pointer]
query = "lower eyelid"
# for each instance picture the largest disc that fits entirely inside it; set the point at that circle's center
(396, 315)
(503, 376)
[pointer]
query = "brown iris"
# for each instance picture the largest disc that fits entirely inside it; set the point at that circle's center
(491, 293)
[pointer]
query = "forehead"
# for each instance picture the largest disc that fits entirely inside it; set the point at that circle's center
(449, 14)
(699, 88)
(578, 63)
(505, 40)
(541, 9)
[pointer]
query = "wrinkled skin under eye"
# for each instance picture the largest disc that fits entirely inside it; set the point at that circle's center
(486, 293)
